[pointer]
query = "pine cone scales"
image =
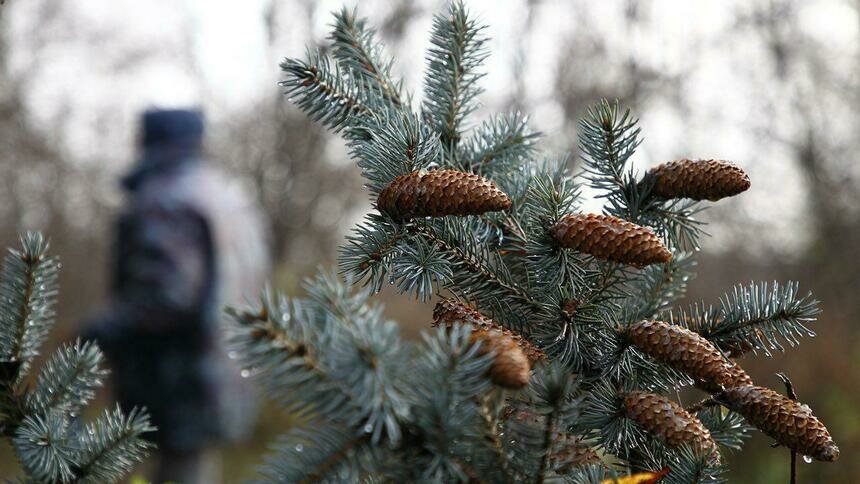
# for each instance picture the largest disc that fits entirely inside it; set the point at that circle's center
(699, 180)
(514, 355)
(789, 422)
(662, 417)
(610, 238)
(448, 311)
(689, 353)
(440, 192)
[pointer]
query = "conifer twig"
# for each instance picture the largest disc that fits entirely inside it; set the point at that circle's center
(789, 390)
(477, 267)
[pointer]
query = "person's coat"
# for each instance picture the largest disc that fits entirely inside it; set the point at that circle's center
(189, 243)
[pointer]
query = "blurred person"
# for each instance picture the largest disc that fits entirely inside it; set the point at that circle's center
(188, 242)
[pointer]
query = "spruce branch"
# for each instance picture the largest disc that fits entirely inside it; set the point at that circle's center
(318, 359)
(445, 414)
(458, 48)
(68, 380)
(392, 143)
(674, 221)
(571, 338)
(28, 291)
(490, 408)
(356, 49)
(659, 286)
(440, 251)
(554, 395)
(277, 342)
(420, 266)
(320, 90)
(592, 474)
(754, 317)
(523, 437)
(369, 359)
(549, 197)
(608, 138)
(603, 419)
(337, 299)
(42, 421)
(728, 428)
(475, 266)
(368, 251)
(325, 454)
(500, 144)
(44, 447)
(111, 446)
(687, 464)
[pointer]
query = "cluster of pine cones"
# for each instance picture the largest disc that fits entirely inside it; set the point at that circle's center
(450, 192)
(785, 420)
(439, 193)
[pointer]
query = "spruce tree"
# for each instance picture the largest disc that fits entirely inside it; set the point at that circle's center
(41, 416)
(559, 342)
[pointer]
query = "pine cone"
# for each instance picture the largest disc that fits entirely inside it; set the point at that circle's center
(514, 354)
(511, 368)
(610, 238)
(664, 418)
(448, 311)
(689, 353)
(440, 192)
(699, 180)
(792, 424)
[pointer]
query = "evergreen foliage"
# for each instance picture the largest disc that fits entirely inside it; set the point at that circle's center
(378, 408)
(41, 418)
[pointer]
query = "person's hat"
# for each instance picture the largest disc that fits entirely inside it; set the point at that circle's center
(172, 127)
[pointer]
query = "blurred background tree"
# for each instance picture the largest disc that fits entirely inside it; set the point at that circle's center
(770, 84)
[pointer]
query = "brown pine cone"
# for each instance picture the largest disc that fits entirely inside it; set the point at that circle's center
(666, 419)
(514, 354)
(448, 311)
(699, 180)
(440, 192)
(610, 238)
(689, 353)
(511, 367)
(790, 423)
